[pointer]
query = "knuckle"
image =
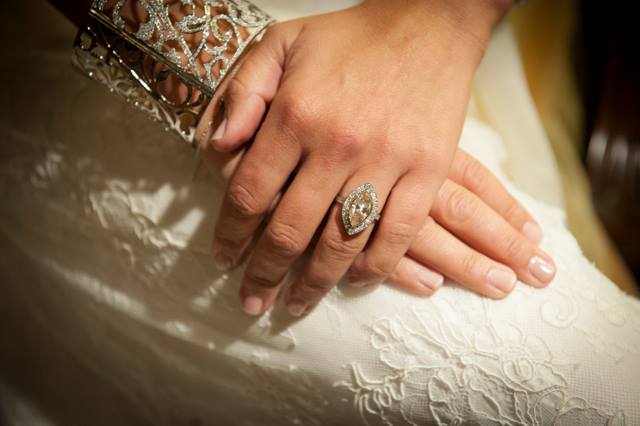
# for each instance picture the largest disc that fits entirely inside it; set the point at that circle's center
(460, 206)
(376, 268)
(431, 154)
(346, 141)
(513, 212)
(337, 248)
(514, 247)
(470, 263)
(426, 231)
(399, 234)
(474, 174)
(316, 287)
(297, 112)
(242, 201)
(284, 240)
(275, 31)
(229, 242)
(235, 88)
(260, 280)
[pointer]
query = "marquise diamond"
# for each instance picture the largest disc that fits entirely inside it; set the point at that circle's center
(360, 209)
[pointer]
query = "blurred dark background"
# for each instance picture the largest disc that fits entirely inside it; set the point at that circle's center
(608, 71)
(582, 62)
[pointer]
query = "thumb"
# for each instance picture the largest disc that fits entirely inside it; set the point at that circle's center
(249, 91)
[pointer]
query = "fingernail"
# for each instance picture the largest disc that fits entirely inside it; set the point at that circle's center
(296, 309)
(355, 281)
(504, 280)
(428, 278)
(219, 133)
(533, 232)
(252, 305)
(223, 262)
(541, 269)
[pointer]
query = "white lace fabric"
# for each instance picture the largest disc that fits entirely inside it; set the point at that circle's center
(105, 249)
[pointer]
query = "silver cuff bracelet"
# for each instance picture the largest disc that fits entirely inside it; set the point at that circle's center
(167, 57)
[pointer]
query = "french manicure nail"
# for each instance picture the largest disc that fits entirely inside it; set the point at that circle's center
(296, 309)
(541, 269)
(219, 133)
(504, 280)
(252, 305)
(533, 232)
(430, 279)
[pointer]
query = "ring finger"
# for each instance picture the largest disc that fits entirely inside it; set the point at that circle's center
(335, 250)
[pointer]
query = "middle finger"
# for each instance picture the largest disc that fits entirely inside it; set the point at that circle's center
(290, 229)
(465, 215)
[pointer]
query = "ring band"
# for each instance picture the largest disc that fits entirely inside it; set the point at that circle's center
(359, 209)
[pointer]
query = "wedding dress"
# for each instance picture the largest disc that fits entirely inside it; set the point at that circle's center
(111, 311)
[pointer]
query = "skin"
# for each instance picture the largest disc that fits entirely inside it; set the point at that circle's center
(326, 131)
(474, 203)
(325, 124)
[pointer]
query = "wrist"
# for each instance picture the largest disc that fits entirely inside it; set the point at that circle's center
(470, 21)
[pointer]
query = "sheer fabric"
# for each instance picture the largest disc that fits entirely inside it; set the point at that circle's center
(105, 246)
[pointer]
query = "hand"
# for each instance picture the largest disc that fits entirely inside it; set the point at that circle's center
(478, 235)
(362, 95)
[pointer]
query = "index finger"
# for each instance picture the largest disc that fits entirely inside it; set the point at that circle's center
(260, 176)
(473, 175)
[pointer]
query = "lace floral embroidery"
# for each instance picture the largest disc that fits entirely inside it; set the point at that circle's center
(490, 373)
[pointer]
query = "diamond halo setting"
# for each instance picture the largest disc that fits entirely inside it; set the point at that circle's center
(359, 209)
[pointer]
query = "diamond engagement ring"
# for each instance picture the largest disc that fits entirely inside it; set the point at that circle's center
(359, 208)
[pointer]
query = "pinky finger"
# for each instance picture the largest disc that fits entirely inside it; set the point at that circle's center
(415, 278)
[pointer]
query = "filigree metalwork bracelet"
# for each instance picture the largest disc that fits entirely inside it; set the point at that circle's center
(167, 57)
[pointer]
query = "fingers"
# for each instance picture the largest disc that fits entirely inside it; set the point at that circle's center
(470, 173)
(251, 89)
(290, 229)
(252, 190)
(403, 217)
(439, 250)
(415, 278)
(465, 215)
(333, 254)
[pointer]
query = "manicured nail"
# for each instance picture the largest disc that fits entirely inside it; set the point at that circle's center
(223, 262)
(296, 309)
(533, 232)
(502, 279)
(541, 269)
(358, 283)
(355, 281)
(252, 305)
(219, 133)
(428, 278)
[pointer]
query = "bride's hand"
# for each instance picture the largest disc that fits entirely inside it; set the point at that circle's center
(376, 94)
(478, 235)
